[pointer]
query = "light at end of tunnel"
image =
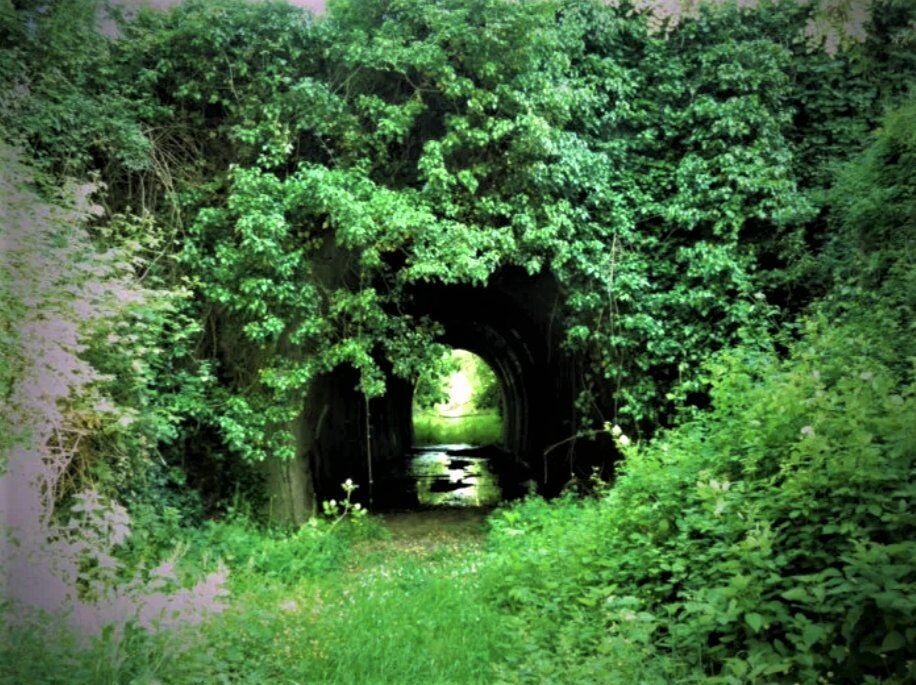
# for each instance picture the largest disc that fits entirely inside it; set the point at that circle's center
(460, 392)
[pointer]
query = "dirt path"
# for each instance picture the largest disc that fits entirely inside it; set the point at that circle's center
(437, 524)
(425, 533)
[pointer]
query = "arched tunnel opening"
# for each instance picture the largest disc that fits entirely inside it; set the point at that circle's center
(460, 402)
(458, 434)
(512, 324)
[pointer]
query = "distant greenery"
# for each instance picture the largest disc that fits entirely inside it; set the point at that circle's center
(487, 390)
(461, 382)
(484, 428)
(458, 402)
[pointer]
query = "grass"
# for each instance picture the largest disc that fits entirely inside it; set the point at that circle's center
(404, 617)
(405, 607)
(484, 428)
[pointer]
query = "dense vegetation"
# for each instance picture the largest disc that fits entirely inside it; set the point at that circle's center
(462, 404)
(207, 208)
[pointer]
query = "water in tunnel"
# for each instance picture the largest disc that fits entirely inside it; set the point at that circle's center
(457, 415)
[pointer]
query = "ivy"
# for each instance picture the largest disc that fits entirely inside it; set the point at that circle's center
(313, 170)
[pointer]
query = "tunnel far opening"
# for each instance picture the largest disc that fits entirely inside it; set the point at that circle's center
(458, 403)
(458, 428)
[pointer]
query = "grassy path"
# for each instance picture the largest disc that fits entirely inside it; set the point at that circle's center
(407, 608)
(425, 533)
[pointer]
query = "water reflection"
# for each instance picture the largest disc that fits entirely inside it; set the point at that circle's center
(451, 475)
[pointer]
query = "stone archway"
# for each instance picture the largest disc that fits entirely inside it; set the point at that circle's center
(511, 323)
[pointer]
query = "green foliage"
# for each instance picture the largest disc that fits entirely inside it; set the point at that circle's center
(457, 401)
(432, 385)
(874, 204)
(282, 184)
(307, 172)
(63, 95)
(487, 390)
(766, 540)
(483, 428)
(257, 262)
(86, 318)
(435, 385)
(276, 555)
(770, 539)
(252, 551)
(647, 175)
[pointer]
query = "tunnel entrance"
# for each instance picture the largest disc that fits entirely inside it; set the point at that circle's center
(512, 324)
(457, 432)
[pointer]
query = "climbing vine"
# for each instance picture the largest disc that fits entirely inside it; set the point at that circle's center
(667, 170)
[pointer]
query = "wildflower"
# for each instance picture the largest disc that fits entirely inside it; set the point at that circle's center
(104, 406)
(807, 430)
(624, 440)
(866, 375)
(721, 487)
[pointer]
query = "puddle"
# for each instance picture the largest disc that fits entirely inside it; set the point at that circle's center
(453, 476)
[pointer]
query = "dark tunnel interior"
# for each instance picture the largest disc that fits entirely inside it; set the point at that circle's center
(511, 324)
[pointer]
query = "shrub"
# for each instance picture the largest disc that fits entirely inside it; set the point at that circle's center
(56, 291)
(767, 540)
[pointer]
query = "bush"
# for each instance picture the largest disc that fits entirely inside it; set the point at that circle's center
(769, 539)
(313, 549)
(766, 541)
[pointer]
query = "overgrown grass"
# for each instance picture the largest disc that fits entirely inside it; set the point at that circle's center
(388, 611)
(404, 620)
(484, 428)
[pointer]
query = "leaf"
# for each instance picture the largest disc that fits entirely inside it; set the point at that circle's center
(892, 641)
(798, 594)
(754, 620)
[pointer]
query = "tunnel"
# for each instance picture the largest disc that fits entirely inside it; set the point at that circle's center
(513, 324)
